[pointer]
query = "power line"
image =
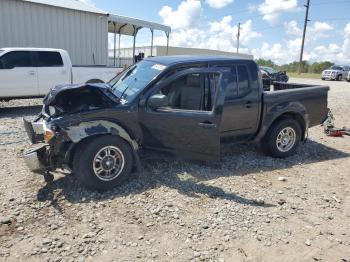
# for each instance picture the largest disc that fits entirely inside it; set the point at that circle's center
(331, 2)
(334, 19)
(304, 33)
(238, 36)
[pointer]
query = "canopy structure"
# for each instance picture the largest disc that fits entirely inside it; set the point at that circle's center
(122, 25)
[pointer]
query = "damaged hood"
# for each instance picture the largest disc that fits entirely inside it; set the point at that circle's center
(56, 91)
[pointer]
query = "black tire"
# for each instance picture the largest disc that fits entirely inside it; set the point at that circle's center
(84, 161)
(339, 78)
(323, 78)
(269, 142)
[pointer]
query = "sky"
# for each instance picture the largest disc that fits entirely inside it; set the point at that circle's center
(270, 29)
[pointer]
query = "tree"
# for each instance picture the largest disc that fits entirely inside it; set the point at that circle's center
(263, 62)
(293, 67)
(319, 67)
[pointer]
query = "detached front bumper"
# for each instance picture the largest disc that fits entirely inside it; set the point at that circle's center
(36, 158)
(35, 130)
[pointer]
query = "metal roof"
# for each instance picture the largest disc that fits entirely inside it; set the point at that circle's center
(124, 25)
(129, 26)
(69, 4)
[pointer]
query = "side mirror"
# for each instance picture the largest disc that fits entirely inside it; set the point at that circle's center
(157, 101)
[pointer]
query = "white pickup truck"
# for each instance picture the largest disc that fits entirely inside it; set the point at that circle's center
(32, 72)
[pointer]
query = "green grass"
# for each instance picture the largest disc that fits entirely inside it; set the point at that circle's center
(304, 75)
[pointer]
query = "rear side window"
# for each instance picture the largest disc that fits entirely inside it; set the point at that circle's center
(15, 59)
(237, 81)
(243, 80)
(231, 84)
(49, 59)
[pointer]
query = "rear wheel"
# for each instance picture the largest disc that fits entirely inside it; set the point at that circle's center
(103, 163)
(282, 139)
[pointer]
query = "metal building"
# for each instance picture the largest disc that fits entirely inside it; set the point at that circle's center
(66, 24)
(72, 25)
(125, 57)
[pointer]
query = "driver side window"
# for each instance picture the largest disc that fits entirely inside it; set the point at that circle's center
(16, 59)
(195, 92)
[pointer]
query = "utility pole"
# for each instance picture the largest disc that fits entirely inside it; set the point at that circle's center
(304, 33)
(238, 36)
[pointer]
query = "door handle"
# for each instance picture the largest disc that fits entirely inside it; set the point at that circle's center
(248, 104)
(31, 73)
(207, 125)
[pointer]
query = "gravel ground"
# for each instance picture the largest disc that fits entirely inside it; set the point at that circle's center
(251, 208)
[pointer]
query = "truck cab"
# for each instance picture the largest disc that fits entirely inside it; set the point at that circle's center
(186, 106)
(32, 72)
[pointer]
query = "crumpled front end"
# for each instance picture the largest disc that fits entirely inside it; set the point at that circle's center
(38, 157)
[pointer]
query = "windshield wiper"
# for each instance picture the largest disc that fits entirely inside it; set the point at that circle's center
(125, 76)
(121, 97)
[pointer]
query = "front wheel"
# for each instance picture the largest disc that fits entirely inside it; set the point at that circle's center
(103, 163)
(282, 139)
(339, 77)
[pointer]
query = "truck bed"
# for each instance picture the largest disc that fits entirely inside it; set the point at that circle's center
(312, 98)
(283, 86)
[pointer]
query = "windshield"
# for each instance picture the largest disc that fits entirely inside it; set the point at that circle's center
(336, 68)
(269, 70)
(132, 81)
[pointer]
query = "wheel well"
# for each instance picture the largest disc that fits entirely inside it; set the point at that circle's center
(94, 81)
(85, 141)
(295, 116)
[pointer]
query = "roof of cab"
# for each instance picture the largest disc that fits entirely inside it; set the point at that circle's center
(181, 59)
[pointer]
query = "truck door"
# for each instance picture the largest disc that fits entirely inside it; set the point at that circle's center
(241, 110)
(188, 125)
(18, 76)
(51, 70)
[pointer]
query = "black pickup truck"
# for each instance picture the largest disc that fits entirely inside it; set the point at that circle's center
(184, 105)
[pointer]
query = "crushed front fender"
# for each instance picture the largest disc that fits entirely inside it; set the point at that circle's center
(98, 127)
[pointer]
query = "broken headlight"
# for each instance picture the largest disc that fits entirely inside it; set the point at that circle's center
(48, 133)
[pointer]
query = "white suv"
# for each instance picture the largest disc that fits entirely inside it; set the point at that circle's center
(336, 73)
